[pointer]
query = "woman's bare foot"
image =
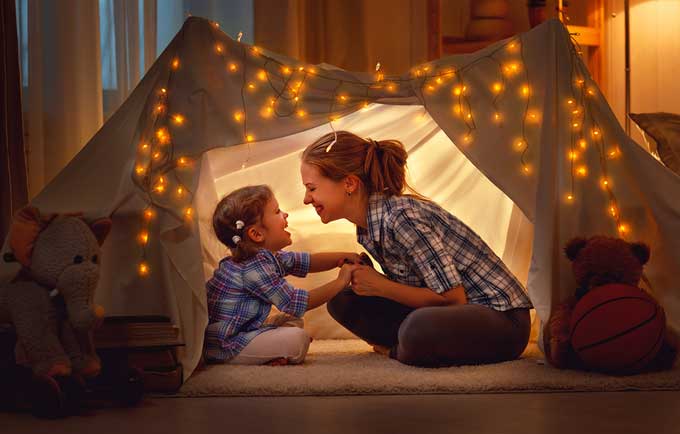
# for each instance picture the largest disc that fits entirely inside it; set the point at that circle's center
(381, 350)
(281, 361)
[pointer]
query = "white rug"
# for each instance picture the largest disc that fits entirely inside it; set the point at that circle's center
(350, 367)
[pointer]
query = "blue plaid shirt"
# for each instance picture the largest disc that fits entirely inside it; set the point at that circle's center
(418, 243)
(240, 296)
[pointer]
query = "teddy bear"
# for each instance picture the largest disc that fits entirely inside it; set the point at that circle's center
(49, 302)
(597, 261)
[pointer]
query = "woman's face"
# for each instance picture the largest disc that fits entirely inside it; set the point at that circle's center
(327, 196)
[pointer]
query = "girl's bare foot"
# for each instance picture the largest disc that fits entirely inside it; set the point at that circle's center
(281, 361)
(381, 350)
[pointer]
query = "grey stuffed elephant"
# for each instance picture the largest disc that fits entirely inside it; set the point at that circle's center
(50, 301)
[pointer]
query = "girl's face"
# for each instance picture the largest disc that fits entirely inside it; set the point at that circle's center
(273, 224)
(327, 196)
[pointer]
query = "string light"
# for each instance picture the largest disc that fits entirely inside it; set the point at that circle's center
(232, 67)
(178, 119)
(175, 63)
(143, 269)
(143, 237)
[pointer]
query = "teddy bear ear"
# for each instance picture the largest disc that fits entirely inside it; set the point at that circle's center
(641, 252)
(574, 246)
(101, 229)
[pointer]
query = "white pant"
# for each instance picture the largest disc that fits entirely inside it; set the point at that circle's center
(290, 343)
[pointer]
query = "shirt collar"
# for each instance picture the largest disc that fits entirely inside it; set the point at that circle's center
(377, 204)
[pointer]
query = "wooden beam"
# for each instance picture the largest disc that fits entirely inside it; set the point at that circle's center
(587, 36)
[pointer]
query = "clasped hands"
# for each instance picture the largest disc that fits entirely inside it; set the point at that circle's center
(358, 271)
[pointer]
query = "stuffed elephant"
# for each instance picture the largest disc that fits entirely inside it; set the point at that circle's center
(50, 301)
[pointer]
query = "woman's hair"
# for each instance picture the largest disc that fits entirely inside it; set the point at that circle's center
(379, 164)
(246, 205)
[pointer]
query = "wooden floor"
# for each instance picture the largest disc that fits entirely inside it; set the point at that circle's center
(525, 413)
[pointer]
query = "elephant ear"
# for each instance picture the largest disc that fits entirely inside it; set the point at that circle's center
(641, 252)
(101, 229)
(574, 246)
(26, 226)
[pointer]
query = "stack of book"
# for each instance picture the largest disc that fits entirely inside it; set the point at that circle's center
(148, 343)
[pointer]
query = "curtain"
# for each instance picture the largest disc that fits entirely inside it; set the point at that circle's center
(64, 90)
(14, 187)
(352, 34)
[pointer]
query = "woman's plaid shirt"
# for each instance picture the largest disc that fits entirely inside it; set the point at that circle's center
(240, 296)
(418, 243)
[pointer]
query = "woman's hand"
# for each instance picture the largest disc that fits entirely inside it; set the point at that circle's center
(366, 281)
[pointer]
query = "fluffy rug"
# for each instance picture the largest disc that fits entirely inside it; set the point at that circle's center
(350, 367)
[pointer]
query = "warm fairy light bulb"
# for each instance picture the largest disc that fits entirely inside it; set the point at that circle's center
(596, 132)
(430, 88)
(512, 46)
(180, 191)
(582, 171)
(525, 90)
(256, 50)
(342, 98)
(159, 188)
(163, 136)
(301, 113)
(468, 116)
(511, 68)
(458, 90)
(160, 108)
(467, 138)
(286, 70)
(175, 63)
(575, 112)
(605, 182)
(570, 197)
(144, 147)
(157, 155)
(612, 210)
(139, 169)
(439, 80)
(520, 144)
(301, 68)
(249, 138)
(457, 109)
(591, 92)
(149, 214)
(570, 101)
(533, 116)
(262, 75)
(232, 67)
(188, 212)
(623, 228)
(216, 24)
(497, 87)
(583, 144)
(575, 125)
(579, 81)
(143, 269)
(238, 116)
(526, 169)
(164, 91)
(572, 155)
(182, 161)
(390, 87)
(614, 152)
(178, 119)
(497, 117)
(143, 237)
(219, 48)
(251, 86)
(266, 112)
(296, 98)
(364, 105)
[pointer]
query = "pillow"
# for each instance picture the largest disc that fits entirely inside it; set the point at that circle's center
(664, 129)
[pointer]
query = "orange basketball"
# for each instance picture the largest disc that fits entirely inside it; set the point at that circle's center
(617, 329)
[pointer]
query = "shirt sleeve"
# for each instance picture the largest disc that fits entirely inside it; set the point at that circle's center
(425, 249)
(265, 281)
(295, 263)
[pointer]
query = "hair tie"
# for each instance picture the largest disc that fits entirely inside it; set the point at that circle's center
(239, 224)
(236, 239)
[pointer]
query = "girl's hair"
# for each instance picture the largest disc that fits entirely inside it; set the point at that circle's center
(247, 205)
(379, 164)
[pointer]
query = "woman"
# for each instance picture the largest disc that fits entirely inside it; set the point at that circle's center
(445, 298)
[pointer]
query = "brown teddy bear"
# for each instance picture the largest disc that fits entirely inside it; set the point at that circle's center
(599, 261)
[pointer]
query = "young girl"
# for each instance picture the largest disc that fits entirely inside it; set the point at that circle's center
(247, 283)
(445, 297)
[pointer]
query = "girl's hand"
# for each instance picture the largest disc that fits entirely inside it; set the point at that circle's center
(366, 281)
(345, 274)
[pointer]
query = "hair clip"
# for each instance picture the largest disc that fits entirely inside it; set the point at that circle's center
(236, 239)
(239, 224)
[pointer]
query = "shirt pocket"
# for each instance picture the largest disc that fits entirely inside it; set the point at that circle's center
(400, 270)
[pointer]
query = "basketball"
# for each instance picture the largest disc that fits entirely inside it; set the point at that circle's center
(617, 329)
